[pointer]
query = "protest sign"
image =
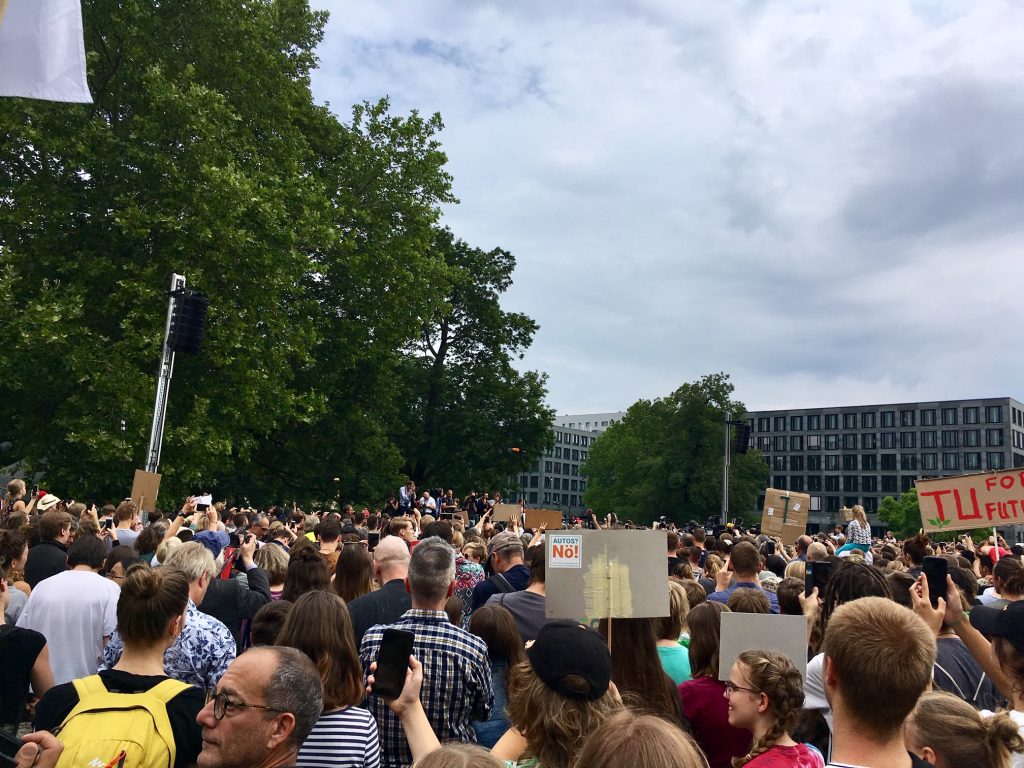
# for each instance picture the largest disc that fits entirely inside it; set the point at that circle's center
(846, 513)
(762, 631)
(972, 501)
(785, 514)
(145, 488)
(605, 574)
(503, 513)
(551, 517)
(452, 514)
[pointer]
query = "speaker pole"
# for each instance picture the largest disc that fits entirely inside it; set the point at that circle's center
(163, 382)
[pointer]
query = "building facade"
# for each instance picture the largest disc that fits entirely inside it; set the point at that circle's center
(861, 454)
(590, 422)
(555, 480)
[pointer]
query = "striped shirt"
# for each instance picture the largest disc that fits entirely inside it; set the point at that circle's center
(343, 739)
(456, 682)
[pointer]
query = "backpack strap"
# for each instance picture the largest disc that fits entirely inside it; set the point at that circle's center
(503, 585)
(958, 689)
(167, 690)
(89, 686)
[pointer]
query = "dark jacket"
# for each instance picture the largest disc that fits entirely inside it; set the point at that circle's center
(230, 600)
(385, 606)
(45, 559)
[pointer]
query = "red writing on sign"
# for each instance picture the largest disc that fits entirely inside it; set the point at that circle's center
(971, 509)
(565, 551)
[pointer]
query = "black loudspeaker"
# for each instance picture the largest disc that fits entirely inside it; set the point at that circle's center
(188, 322)
(742, 438)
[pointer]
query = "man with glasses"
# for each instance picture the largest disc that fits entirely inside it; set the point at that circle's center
(266, 704)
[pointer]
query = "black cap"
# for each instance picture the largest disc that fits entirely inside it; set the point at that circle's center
(1005, 622)
(565, 648)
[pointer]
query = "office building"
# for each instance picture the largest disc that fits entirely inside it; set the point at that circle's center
(861, 454)
(555, 481)
(590, 422)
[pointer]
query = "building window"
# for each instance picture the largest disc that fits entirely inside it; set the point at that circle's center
(995, 460)
(780, 423)
(887, 418)
(832, 505)
(949, 438)
(814, 463)
(547, 483)
(927, 418)
(907, 418)
(869, 441)
(993, 414)
(849, 421)
(888, 441)
(796, 423)
(908, 461)
(869, 462)
(831, 442)
(779, 464)
(796, 464)
(558, 468)
(869, 484)
(951, 461)
(572, 500)
(972, 461)
(850, 462)
(889, 484)
(533, 497)
(870, 503)
(814, 442)
(867, 421)
(906, 483)
(547, 466)
(796, 483)
(993, 437)
(850, 442)
(850, 483)
(814, 423)
(814, 483)
(779, 481)
(928, 439)
(949, 417)
(908, 440)
(533, 481)
(575, 469)
(971, 415)
(815, 503)
(929, 461)
(888, 462)
(972, 438)
(572, 486)
(565, 499)
(831, 421)
(575, 454)
(796, 443)
(831, 463)
(557, 483)
(780, 442)
(764, 443)
(831, 483)
(764, 424)
(584, 441)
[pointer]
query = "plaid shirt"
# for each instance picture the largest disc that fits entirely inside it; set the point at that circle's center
(456, 681)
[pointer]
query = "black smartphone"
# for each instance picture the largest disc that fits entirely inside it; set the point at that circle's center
(373, 539)
(392, 663)
(9, 746)
(108, 523)
(817, 575)
(769, 547)
(35, 490)
(935, 570)
(202, 507)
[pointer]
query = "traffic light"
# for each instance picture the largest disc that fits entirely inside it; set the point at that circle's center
(188, 322)
(742, 442)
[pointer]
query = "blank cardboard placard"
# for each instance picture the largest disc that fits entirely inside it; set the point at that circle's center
(785, 514)
(145, 488)
(551, 517)
(605, 574)
(452, 514)
(765, 632)
(503, 512)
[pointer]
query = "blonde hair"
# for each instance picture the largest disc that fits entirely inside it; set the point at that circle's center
(797, 569)
(647, 740)
(712, 564)
(555, 726)
(859, 516)
(954, 729)
(274, 560)
(774, 675)
(671, 627)
(166, 547)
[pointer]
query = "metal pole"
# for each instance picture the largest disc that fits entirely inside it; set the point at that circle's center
(725, 471)
(163, 383)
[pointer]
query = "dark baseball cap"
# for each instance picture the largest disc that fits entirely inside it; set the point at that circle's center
(571, 660)
(1005, 622)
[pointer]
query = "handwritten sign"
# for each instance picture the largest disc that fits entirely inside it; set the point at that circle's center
(785, 514)
(972, 501)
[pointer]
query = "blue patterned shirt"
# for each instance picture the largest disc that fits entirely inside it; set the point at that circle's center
(456, 681)
(200, 654)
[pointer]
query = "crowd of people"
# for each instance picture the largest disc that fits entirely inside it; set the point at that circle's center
(233, 637)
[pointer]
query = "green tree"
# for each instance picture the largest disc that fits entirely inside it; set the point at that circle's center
(665, 458)
(205, 154)
(468, 406)
(903, 516)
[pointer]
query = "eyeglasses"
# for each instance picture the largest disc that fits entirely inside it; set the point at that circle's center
(731, 687)
(222, 701)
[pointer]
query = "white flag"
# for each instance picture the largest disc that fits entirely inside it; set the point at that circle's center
(42, 50)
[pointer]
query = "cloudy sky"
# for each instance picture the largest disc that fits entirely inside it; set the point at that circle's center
(825, 200)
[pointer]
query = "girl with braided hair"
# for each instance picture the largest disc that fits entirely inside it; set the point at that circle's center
(766, 696)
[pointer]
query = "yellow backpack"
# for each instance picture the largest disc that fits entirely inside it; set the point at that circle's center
(119, 730)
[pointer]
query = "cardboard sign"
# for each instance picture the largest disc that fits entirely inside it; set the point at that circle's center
(536, 517)
(785, 514)
(452, 514)
(846, 513)
(145, 488)
(503, 512)
(606, 574)
(762, 631)
(972, 501)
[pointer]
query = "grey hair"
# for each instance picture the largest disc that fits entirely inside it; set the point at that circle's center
(309, 522)
(431, 569)
(192, 559)
(295, 686)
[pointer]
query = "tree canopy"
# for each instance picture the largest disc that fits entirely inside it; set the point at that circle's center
(315, 239)
(665, 458)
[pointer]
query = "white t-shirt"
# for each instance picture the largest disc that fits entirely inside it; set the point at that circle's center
(73, 610)
(428, 502)
(1016, 758)
(814, 688)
